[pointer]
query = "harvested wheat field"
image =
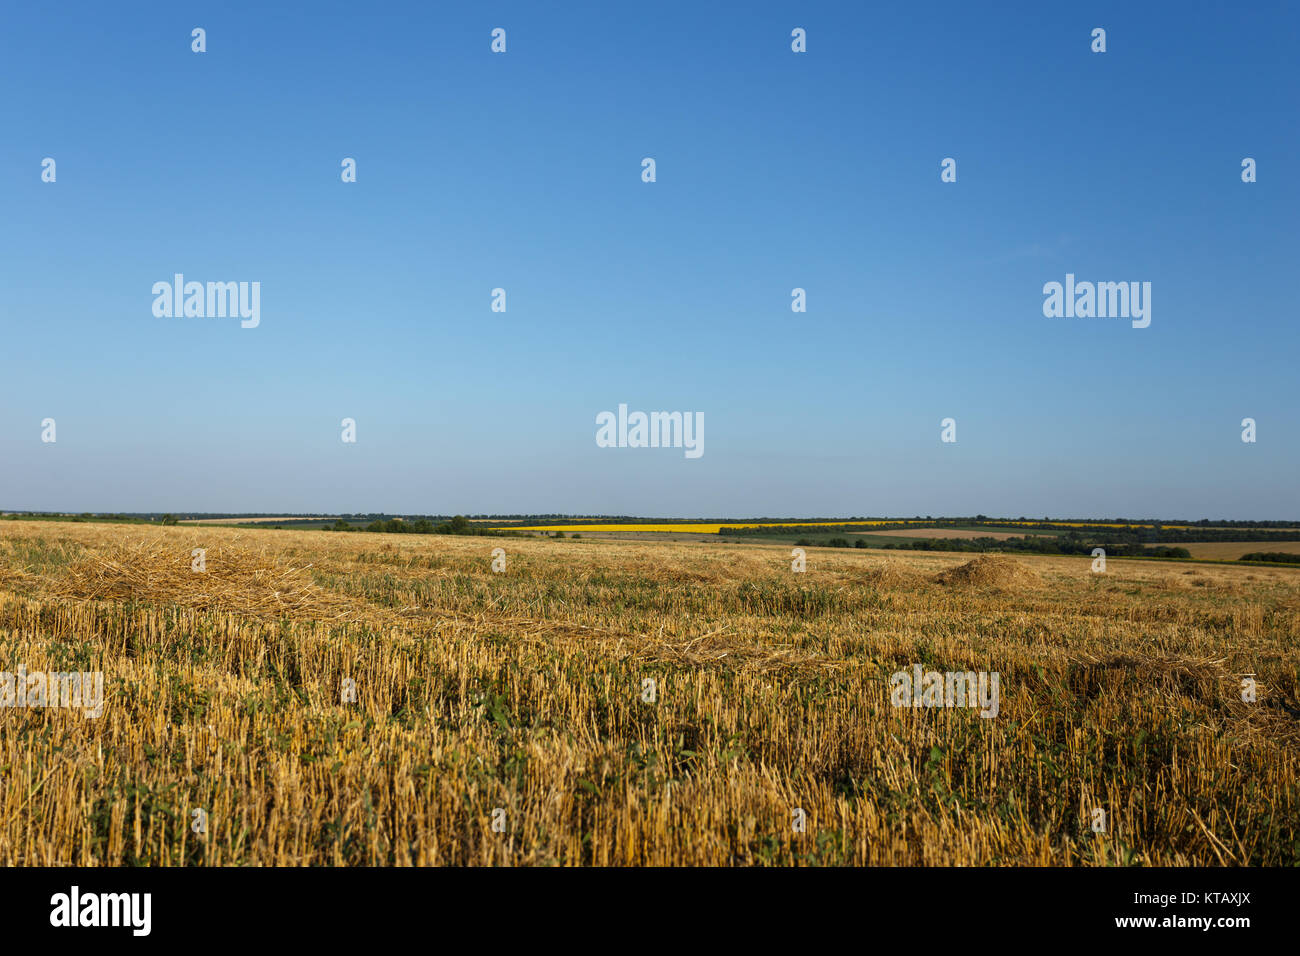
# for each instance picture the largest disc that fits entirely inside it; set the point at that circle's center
(525, 693)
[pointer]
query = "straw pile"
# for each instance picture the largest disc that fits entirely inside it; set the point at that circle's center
(237, 580)
(989, 571)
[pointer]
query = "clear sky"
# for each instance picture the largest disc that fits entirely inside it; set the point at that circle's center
(775, 170)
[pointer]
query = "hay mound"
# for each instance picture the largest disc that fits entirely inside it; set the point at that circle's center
(237, 580)
(990, 571)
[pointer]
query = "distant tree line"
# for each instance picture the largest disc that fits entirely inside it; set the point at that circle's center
(83, 517)
(457, 525)
(770, 531)
(1064, 544)
(1281, 557)
(831, 543)
(1239, 533)
(1093, 537)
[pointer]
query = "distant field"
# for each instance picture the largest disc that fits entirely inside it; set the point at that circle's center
(780, 532)
(686, 527)
(524, 691)
(1232, 550)
(949, 533)
(914, 526)
(241, 520)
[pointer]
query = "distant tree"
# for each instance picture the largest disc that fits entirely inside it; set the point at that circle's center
(1278, 556)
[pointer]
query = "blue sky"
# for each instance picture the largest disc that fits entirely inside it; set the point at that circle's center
(775, 170)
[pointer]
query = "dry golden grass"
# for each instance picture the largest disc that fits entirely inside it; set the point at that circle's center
(522, 691)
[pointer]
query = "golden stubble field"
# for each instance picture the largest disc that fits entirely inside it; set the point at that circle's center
(522, 693)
